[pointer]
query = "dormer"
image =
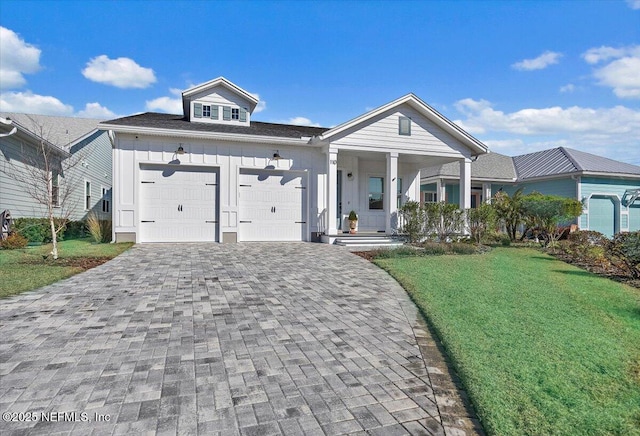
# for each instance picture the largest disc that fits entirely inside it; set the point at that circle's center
(218, 101)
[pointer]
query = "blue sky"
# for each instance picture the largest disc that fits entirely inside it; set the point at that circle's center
(520, 76)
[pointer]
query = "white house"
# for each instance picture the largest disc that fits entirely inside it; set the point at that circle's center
(213, 174)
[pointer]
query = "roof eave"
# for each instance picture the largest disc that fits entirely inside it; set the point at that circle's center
(232, 137)
(220, 81)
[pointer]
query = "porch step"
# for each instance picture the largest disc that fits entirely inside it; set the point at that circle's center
(368, 242)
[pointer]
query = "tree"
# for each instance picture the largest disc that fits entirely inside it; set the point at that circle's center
(509, 210)
(47, 174)
(548, 212)
(480, 219)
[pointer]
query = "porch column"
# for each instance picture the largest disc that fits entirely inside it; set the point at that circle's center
(414, 188)
(465, 189)
(332, 191)
(465, 183)
(486, 193)
(391, 192)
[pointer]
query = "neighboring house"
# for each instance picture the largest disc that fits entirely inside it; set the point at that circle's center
(608, 189)
(68, 139)
(213, 174)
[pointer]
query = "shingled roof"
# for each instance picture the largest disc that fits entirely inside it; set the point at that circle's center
(178, 122)
(59, 131)
(492, 166)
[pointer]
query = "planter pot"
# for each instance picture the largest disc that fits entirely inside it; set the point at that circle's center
(352, 226)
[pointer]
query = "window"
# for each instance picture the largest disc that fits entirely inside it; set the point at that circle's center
(87, 195)
(55, 188)
(429, 197)
(399, 193)
(235, 113)
(206, 111)
(404, 126)
(106, 203)
(376, 193)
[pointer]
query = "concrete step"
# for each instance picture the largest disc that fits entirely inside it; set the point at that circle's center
(368, 242)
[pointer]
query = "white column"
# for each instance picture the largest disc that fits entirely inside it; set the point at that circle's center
(332, 191)
(465, 183)
(441, 190)
(391, 192)
(414, 188)
(486, 193)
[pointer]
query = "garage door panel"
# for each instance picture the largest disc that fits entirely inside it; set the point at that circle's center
(163, 190)
(602, 215)
(272, 205)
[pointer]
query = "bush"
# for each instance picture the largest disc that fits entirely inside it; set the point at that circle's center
(14, 241)
(434, 249)
(586, 246)
(443, 219)
(625, 248)
(481, 219)
(505, 240)
(396, 252)
(38, 230)
(413, 221)
(99, 229)
(75, 230)
(462, 248)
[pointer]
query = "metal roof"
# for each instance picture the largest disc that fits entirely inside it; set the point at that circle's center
(178, 122)
(59, 131)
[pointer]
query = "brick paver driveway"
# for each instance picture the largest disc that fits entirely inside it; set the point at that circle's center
(254, 339)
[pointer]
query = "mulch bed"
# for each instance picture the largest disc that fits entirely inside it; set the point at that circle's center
(84, 263)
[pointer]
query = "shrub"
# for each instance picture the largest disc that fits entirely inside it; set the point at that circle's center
(396, 252)
(443, 219)
(505, 240)
(14, 241)
(75, 230)
(413, 221)
(586, 246)
(100, 230)
(625, 248)
(33, 229)
(481, 219)
(462, 248)
(434, 249)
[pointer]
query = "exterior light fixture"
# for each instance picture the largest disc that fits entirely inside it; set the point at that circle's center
(276, 156)
(180, 150)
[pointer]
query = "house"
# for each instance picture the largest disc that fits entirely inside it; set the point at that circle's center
(65, 140)
(214, 174)
(608, 189)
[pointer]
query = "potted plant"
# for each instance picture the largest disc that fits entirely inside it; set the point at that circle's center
(353, 221)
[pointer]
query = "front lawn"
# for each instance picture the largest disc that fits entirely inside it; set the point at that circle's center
(30, 268)
(542, 346)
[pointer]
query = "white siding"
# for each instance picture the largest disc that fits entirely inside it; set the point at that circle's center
(381, 134)
(219, 96)
(228, 157)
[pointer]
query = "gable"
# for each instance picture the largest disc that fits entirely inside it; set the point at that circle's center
(382, 132)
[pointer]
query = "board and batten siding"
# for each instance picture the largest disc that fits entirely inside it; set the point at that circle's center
(381, 133)
(629, 216)
(227, 157)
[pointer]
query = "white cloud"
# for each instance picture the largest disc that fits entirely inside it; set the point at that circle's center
(262, 105)
(302, 121)
(96, 110)
(27, 102)
(606, 131)
(569, 87)
(541, 62)
(634, 4)
(621, 73)
(120, 72)
(17, 57)
(170, 105)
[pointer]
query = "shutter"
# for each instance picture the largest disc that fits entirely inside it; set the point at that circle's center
(243, 114)
(197, 110)
(226, 113)
(214, 112)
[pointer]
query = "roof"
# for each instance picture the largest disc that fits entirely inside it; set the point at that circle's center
(59, 131)
(561, 160)
(178, 122)
(427, 111)
(494, 166)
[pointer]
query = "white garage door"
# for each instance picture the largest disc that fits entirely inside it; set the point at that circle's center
(178, 204)
(272, 205)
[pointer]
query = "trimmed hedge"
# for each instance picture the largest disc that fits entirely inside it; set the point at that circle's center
(38, 230)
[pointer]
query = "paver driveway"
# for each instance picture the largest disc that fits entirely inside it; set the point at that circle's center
(254, 339)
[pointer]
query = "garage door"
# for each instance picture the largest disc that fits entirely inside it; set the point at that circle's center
(272, 205)
(602, 215)
(178, 204)
(634, 216)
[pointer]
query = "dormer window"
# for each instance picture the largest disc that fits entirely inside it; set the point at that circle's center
(206, 111)
(235, 113)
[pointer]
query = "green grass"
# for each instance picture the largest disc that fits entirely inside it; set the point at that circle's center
(542, 347)
(27, 269)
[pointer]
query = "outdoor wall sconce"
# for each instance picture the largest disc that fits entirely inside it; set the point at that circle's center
(474, 158)
(180, 150)
(276, 156)
(350, 176)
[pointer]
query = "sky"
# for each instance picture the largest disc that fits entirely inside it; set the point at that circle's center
(521, 76)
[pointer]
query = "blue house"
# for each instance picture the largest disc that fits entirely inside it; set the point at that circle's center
(608, 189)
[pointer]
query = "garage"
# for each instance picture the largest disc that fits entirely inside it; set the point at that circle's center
(272, 205)
(602, 215)
(178, 204)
